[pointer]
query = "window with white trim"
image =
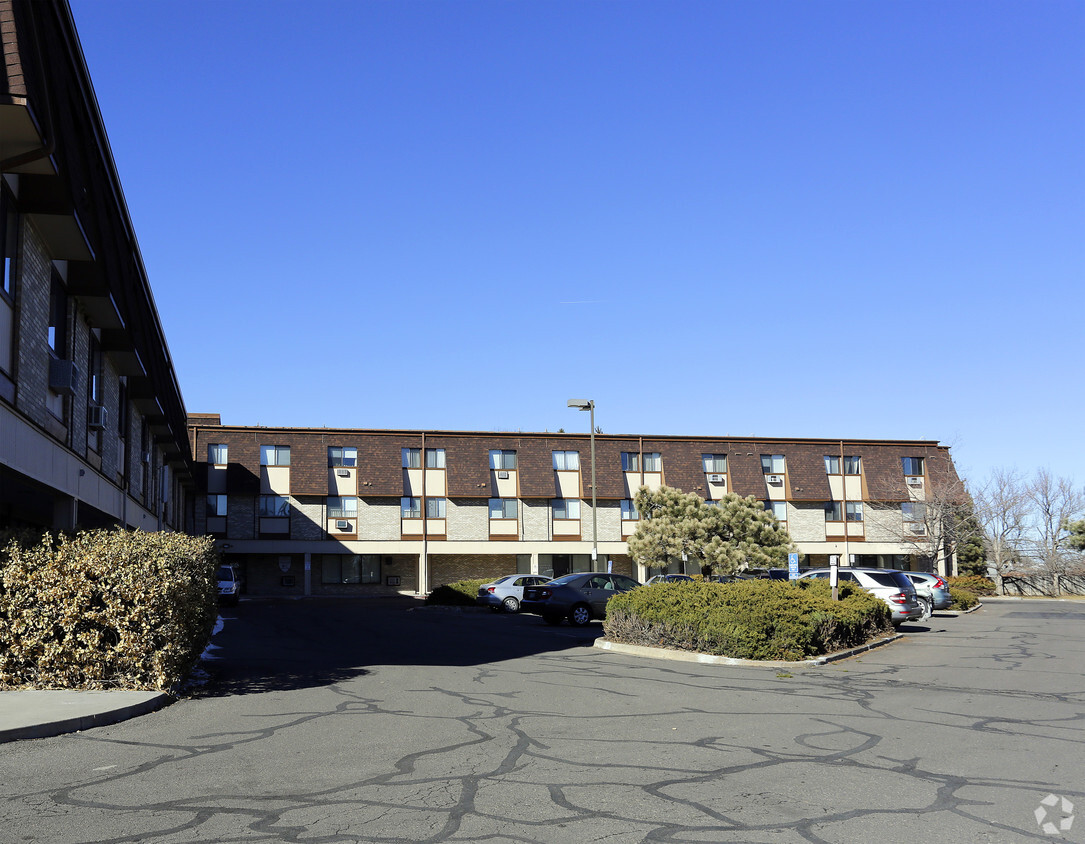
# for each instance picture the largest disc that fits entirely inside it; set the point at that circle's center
(503, 459)
(274, 455)
(503, 508)
(714, 464)
(566, 461)
(565, 508)
(342, 456)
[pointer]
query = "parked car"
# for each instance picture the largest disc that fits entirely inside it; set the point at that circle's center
(669, 578)
(229, 585)
(506, 592)
(890, 585)
(932, 590)
(578, 597)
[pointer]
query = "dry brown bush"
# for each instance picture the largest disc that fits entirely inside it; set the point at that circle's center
(105, 610)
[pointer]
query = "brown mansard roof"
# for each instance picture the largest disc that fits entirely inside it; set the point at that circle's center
(467, 460)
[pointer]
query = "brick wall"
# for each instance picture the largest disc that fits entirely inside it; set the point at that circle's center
(449, 568)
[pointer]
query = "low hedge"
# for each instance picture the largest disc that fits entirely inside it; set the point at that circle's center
(976, 584)
(105, 610)
(462, 593)
(753, 619)
(962, 598)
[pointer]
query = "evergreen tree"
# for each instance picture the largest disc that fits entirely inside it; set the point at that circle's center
(722, 538)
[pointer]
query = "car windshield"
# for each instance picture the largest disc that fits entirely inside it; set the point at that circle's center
(225, 573)
(569, 578)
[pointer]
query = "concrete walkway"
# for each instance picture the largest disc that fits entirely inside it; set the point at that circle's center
(38, 713)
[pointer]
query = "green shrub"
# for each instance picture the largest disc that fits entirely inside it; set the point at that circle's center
(974, 583)
(462, 593)
(962, 598)
(105, 609)
(754, 619)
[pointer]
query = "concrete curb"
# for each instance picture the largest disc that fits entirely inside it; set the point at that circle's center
(710, 659)
(40, 713)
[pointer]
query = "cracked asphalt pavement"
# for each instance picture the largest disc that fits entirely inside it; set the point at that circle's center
(355, 720)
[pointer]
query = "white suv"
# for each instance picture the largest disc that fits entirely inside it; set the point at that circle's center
(890, 585)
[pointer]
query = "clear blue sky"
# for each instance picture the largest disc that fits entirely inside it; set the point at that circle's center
(784, 219)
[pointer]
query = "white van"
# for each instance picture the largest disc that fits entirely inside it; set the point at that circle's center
(229, 584)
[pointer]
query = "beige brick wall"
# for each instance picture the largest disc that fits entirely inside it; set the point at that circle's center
(449, 568)
(806, 522)
(378, 518)
(468, 519)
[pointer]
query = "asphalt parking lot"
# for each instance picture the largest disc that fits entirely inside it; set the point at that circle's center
(341, 720)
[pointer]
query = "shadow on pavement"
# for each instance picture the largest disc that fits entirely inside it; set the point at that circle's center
(280, 645)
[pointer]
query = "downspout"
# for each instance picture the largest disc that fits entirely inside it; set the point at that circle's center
(423, 562)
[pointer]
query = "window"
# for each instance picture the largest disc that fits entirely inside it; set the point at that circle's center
(503, 508)
(503, 460)
(410, 508)
(566, 508)
(58, 316)
(274, 505)
(216, 505)
(435, 458)
(778, 509)
(342, 456)
(913, 511)
(9, 243)
(714, 464)
(218, 454)
(773, 464)
(274, 455)
(834, 511)
(912, 465)
(412, 458)
(630, 461)
(629, 511)
(342, 507)
(851, 465)
(350, 568)
(854, 511)
(566, 460)
(435, 508)
(653, 462)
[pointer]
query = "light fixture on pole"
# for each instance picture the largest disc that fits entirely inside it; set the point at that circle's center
(589, 405)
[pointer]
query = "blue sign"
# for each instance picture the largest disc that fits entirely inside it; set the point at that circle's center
(792, 566)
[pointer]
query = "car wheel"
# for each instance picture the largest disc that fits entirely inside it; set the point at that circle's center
(925, 605)
(579, 615)
(510, 604)
(552, 619)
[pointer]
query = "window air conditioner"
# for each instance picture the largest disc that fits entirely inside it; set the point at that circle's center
(915, 482)
(96, 416)
(715, 479)
(503, 476)
(63, 377)
(342, 473)
(775, 479)
(342, 524)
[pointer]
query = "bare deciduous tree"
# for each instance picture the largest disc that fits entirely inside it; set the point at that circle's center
(1055, 503)
(1002, 509)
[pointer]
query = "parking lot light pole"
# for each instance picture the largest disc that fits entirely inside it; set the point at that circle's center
(589, 405)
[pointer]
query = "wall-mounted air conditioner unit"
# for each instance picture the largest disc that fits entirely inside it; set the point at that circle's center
(63, 377)
(503, 475)
(342, 524)
(915, 482)
(342, 473)
(715, 479)
(96, 416)
(774, 479)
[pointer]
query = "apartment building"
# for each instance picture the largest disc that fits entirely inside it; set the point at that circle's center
(92, 423)
(307, 511)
